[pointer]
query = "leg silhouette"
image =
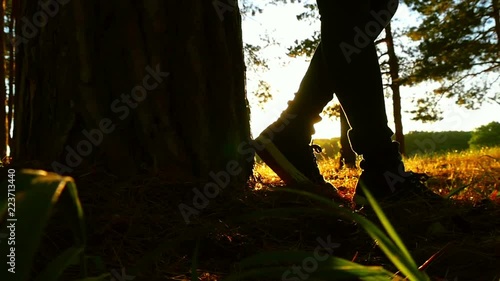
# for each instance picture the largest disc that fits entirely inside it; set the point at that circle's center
(345, 63)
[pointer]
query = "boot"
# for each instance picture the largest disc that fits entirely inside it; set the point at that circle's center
(285, 146)
(384, 175)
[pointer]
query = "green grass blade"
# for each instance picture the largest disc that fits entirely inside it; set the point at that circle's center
(408, 265)
(56, 267)
(194, 265)
(36, 194)
(102, 277)
(17, 184)
(270, 265)
(456, 191)
(71, 205)
(392, 251)
(339, 274)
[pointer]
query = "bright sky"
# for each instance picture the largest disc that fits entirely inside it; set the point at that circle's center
(285, 75)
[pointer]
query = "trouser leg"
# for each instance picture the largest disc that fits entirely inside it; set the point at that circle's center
(315, 90)
(348, 29)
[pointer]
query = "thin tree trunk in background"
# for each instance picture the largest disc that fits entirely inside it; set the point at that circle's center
(11, 72)
(347, 155)
(496, 16)
(396, 95)
(3, 94)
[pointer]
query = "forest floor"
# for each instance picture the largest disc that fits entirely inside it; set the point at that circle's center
(136, 229)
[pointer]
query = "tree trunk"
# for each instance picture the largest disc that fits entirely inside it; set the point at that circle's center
(11, 72)
(4, 129)
(347, 155)
(496, 17)
(156, 85)
(396, 95)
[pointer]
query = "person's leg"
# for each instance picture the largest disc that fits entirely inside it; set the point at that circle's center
(316, 90)
(285, 144)
(345, 62)
(348, 29)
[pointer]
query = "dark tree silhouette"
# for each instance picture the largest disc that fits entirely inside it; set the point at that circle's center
(11, 10)
(131, 86)
(393, 62)
(3, 93)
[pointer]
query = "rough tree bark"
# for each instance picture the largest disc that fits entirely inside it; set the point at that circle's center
(4, 128)
(156, 85)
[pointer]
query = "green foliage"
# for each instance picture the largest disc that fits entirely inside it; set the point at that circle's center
(274, 264)
(487, 135)
(249, 8)
(253, 58)
(332, 111)
(331, 147)
(416, 143)
(458, 48)
(425, 113)
(31, 199)
(305, 47)
(263, 93)
(38, 192)
(436, 142)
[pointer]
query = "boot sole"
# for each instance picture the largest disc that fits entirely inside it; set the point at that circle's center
(273, 157)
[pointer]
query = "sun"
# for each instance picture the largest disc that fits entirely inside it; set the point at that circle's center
(285, 81)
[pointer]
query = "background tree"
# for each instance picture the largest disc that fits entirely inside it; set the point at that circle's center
(347, 155)
(458, 47)
(6, 72)
(10, 16)
(86, 64)
(3, 117)
(392, 63)
(487, 135)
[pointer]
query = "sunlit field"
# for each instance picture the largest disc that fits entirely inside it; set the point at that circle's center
(473, 175)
